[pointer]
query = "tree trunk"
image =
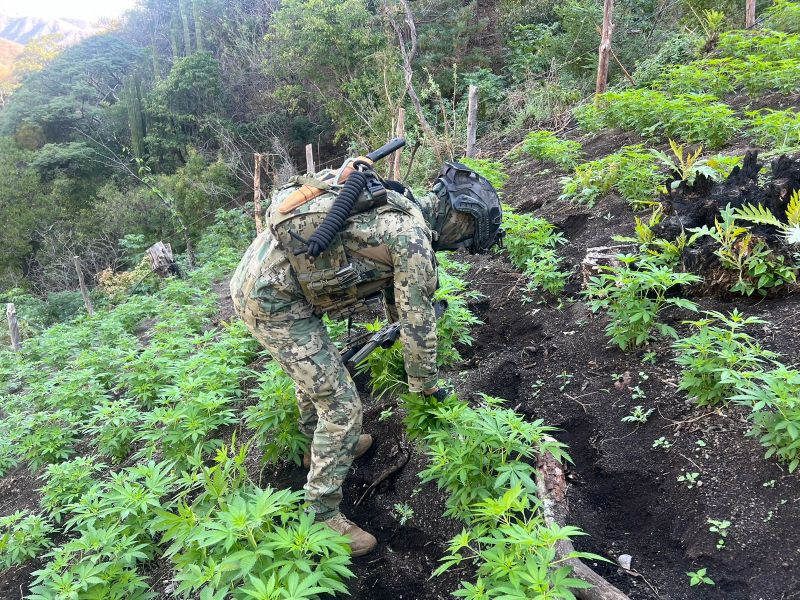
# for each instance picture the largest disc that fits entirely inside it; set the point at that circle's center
(605, 46)
(400, 131)
(136, 122)
(310, 158)
(173, 38)
(750, 14)
(257, 194)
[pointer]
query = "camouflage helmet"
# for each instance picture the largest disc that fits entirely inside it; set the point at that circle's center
(469, 213)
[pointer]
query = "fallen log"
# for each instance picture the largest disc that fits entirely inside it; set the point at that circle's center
(552, 491)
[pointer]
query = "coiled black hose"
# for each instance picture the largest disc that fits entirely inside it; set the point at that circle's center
(340, 211)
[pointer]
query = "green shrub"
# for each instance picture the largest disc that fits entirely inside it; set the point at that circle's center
(546, 145)
(691, 118)
(716, 348)
(23, 535)
(112, 425)
(531, 243)
(274, 417)
(774, 399)
(783, 15)
(65, 483)
(632, 171)
(633, 295)
(771, 45)
(775, 128)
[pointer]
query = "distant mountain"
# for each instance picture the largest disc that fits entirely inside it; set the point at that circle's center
(23, 29)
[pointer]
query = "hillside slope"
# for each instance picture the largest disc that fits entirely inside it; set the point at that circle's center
(24, 29)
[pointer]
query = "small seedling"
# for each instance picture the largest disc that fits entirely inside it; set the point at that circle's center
(769, 516)
(403, 512)
(699, 577)
(386, 414)
(638, 415)
(700, 444)
(536, 388)
(690, 479)
(662, 443)
(720, 528)
(649, 357)
(566, 379)
(769, 484)
(643, 376)
(638, 393)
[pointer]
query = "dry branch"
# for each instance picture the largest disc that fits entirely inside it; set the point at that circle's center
(552, 491)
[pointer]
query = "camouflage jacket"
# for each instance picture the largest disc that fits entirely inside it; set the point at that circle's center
(386, 249)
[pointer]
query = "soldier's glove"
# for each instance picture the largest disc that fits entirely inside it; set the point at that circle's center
(439, 393)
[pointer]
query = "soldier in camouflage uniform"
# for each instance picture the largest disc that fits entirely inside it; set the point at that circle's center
(282, 295)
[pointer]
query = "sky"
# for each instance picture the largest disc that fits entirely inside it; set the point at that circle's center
(74, 9)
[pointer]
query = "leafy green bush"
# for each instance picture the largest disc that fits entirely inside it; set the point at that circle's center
(783, 15)
(531, 243)
(633, 295)
(112, 425)
(632, 171)
(274, 417)
(775, 128)
(774, 399)
(717, 347)
(65, 483)
(771, 45)
(692, 118)
(50, 438)
(483, 450)
(546, 145)
(23, 535)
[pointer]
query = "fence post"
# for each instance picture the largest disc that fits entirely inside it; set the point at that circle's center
(750, 14)
(605, 46)
(86, 300)
(310, 159)
(399, 132)
(257, 194)
(472, 121)
(13, 327)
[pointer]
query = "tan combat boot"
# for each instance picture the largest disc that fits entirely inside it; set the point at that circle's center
(361, 542)
(364, 444)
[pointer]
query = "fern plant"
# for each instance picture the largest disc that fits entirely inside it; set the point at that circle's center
(763, 216)
(685, 165)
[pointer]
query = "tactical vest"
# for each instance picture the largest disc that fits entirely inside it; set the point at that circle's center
(333, 283)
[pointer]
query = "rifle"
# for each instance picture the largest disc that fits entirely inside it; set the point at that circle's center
(359, 349)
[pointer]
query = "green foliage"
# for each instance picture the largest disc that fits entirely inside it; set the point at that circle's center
(633, 295)
(717, 348)
(492, 170)
(758, 269)
(686, 166)
(545, 145)
(632, 172)
(531, 243)
(699, 577)
(772, 397)
(481, 453)
(775, 128)
(658, 250)
(692, 118)
(65, 483)
(275, 415)
(23, 535)
(784, 15)
(50, 438)
(771, 45)
(112, 425)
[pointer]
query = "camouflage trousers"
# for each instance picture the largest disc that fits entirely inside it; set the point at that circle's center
(330, 409)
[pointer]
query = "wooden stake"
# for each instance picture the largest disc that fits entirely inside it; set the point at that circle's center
(86, 300)
(257, 194)
(399, 132)
(13, 327)
(472, 120)
(605, 46)
(310, 158)
(750, 14)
